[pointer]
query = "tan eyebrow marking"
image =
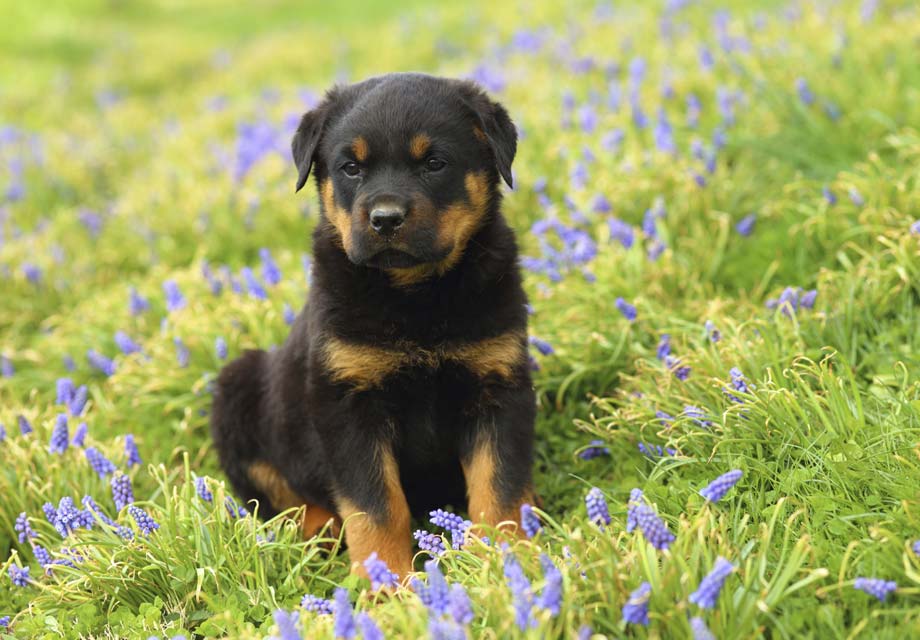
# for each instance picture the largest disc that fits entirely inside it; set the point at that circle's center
(360, 149)
(419, 145)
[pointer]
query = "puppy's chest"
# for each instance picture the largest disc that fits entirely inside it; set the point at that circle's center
(369, 365)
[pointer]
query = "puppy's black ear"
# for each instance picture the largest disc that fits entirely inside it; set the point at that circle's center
(500, 132)
(309, 133)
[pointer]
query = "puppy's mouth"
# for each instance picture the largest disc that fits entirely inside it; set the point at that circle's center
(392, 258)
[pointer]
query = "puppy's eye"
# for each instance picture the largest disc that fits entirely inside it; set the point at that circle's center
(435, 164)
(351, 169)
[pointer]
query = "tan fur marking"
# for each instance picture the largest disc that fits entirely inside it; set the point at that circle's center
(389, 537)
(270, 482)
(336, 215)
(419, 145)
(282, 497)
(360, 149)
(484, 504)
(457, 225)
(366, 366)
(315, 518)
(499, 355)
(480, 135)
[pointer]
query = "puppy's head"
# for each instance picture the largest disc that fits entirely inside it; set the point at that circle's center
(407, 166)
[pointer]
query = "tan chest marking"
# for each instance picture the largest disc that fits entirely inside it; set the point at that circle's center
(366, 366)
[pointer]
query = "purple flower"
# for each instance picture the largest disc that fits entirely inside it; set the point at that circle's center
(664, 134)
(69, 364)
(253, 286)
(664, 346)
(621, 232)
(101, 465)
(19, 575)
(459, 606)
(287, 625)
(100, 362)
(805, 94)
(655, 250)
(694, 108)
(5, 622)
(65, 390)
(25, 428)
(700, 630)
(441, 629)
(124, 342)
(745, 226)
(697, 415)
(635, 499)
(915, 227)
(369, 628)
(714, 334)
(235, 510)
(530, 522)
(628, 310)
(856, 197)
(653, 528)
(379, 573)
(182, 353)
(601, 204)
(551, 596)
(60, 435)
(23, 528)
(6, 367)
(79, 436)
(2, 433)
(343, 620)
(131, 452)
(92, 508)
(522, 595)
(67, 517)
(612, 140)
(598, 513)
(707, 593)
(876, 587)
(595, 449)
(270, 272)
(137, 303)
(201, 488)
(674, 366)
(587, 118)
(220, 347)
(78, 401)
(32, 273)
(635, 611)
(174, 298)
(122, 493)
(807, 301)
(829, 195)
(430, 542)
(435, 594)
(288, 314)
(542, 346)
(143, 519)
(916, 548)
(254, 141)
(316, 604)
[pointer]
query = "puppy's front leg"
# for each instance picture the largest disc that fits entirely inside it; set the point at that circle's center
(498, 456)
(370, 499)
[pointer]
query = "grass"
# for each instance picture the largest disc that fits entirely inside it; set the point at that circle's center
(124, 125)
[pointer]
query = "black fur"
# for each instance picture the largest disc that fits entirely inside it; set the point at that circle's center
(322, 435)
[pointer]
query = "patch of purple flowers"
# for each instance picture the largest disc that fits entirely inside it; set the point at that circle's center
(144, 521)
(19, 575)
(598, 512)
(379, 573)
(530, 522)
(628, 310)
(316, 604)
(430, 542)
(60, 436)
(595, 449)
(131, 453)
(23, 528)
(101, 465)
(521, 593)
(653, 528)
(122, 492)
(717, 489)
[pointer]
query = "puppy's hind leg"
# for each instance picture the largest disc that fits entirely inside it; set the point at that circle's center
(237, 424)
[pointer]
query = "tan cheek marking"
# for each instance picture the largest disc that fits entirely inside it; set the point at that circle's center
(493, 356)
(336, 215)
(484, 504)
(388, 536)
(360, 149)
(461, 221)
(419, 145)
(361, 365)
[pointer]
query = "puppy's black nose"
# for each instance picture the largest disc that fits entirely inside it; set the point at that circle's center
(385, 220)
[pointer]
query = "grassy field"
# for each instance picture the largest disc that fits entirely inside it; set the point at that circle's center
(719, 205)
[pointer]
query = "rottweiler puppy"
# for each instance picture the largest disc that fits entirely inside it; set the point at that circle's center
(404, 384)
